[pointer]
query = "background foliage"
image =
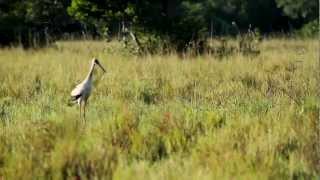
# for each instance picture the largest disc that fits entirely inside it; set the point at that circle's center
(181, 21)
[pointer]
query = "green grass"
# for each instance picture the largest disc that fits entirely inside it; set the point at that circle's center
(161, 117)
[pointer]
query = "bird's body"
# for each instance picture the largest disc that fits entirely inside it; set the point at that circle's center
(82, 91)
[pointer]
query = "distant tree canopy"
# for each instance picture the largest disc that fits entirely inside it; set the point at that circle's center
(32, 22)
(306, 10)
(181, 21)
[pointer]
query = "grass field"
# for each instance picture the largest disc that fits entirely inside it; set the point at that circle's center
(161, 117)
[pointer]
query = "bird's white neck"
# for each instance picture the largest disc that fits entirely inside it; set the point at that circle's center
(89, 76)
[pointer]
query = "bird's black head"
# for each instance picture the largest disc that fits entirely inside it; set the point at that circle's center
(96, 61)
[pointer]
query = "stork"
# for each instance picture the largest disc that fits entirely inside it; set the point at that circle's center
(82, 91)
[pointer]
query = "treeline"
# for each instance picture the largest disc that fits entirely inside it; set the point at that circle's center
(34, 22)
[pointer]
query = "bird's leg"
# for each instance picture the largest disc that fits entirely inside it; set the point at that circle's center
(80, 103)
(84, 109)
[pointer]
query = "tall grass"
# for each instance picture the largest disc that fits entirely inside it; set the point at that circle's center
(161, 117)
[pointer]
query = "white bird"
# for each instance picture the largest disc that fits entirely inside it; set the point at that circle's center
(82, 91)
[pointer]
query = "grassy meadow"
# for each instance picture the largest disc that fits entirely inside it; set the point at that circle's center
(161, 116)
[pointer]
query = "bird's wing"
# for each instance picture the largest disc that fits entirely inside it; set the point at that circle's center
(77, 90)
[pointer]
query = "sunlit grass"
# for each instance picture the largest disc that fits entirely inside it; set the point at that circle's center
(160, 116)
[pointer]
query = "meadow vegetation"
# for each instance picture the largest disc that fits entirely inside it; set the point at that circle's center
(161, 116)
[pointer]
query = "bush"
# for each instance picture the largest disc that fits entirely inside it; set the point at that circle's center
(142, 43)
(311, 29)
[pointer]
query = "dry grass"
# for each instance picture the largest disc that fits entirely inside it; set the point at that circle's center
(161, 117)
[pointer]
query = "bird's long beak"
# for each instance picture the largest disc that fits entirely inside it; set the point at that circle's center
(101, 67)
